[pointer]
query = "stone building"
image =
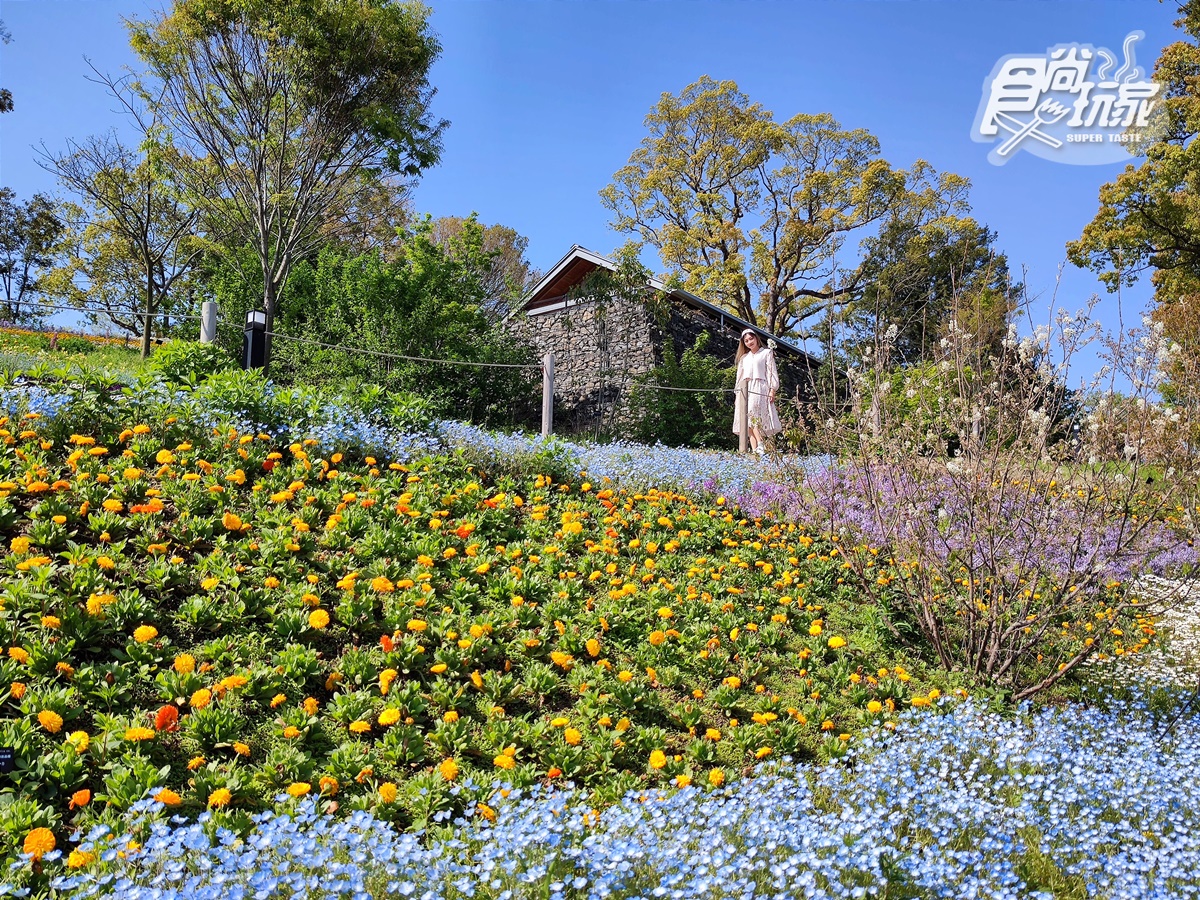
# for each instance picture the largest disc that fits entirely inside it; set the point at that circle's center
(601, 346)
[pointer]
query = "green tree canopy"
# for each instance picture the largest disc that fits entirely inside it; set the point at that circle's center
(758, 215)
(29, 234)
(288, 102)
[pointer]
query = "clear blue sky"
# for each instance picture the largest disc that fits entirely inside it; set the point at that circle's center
(546, 100)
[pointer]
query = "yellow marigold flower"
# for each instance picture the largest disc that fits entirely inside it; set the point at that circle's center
(360, 727)
(919, 701)
(716, 777)
(299, 788)
(836, 643)
(658, 759)
(39, 842)
(389, 717)
(291, 731)
(50, 720)
(318, 619)
(138, 733)
(164, 457)
(438, 668)
(664, 612)
(185, 664)
(486, 811)
(503, 761)
(763, 752)
(271, 582)
(562, 660)
(168, 797)
(449, 769)
(20, 654)
(382, 585)
(200, 699)
(19, 544)
(572, 737)
(388, 792)
(112, 506)
(815, 629)
(657, 638)
(79, 740)
(874, 706)
(219, 798)
(195, 762)
(144, 633)
(278, 700)
(241, 749)
(106, 562)
(593, 647)
(560, 722)
(417, 625)
(450, 716)
(232, 522)
(310, 705)
(683, 780)
(712, 734)
(328, 785)
(80, 858)
(51, 622)
(386, 677)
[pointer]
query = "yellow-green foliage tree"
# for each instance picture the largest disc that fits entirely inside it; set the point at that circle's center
(1149, 217)
(758, 215)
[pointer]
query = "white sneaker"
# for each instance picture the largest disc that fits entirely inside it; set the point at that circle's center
(759, 450)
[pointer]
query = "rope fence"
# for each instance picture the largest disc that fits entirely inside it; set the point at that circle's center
(105, 312)
(742, 393)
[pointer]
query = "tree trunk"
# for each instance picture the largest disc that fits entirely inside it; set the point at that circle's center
(269, 300)
(148, 313)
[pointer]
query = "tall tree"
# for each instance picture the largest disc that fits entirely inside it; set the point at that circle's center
(29, 233)
(136, 218)
(1149, 217)
(919, 273)
(506, 275)
(756, 214)
(6, 100)
(288, 102)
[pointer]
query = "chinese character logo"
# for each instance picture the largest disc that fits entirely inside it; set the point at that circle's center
(1068, 105)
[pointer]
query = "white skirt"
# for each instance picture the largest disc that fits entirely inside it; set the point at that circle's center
(763, 414)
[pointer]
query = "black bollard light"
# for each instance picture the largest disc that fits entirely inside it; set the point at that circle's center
(254, 346)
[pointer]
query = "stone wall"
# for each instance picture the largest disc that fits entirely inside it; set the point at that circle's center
(600, 347)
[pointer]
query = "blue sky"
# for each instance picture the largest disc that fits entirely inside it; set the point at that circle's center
(546, 100)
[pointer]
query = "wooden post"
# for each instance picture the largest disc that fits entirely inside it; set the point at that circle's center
(547, 395)
(208, 322)
(743, 398)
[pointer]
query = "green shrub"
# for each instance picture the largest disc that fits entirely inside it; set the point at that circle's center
(187, 362)
(698, 416)
(71, 344)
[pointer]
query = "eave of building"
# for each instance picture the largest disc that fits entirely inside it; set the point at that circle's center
(552, 293)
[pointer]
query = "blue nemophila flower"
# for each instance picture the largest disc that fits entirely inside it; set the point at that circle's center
(962, 804)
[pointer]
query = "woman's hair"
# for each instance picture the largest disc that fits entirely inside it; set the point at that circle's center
(741, 350)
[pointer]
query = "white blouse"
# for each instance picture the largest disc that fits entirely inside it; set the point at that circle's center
(758, 366)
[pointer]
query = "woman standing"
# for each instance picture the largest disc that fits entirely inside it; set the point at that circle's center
(756, 373)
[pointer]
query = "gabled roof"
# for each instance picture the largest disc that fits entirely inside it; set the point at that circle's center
(551, 293)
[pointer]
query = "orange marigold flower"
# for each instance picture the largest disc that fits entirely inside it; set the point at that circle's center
(50, 720)
(386, 677)
(19, 654)
(51, 622)
(657, 638)
(80, 799)
(195, 762)
(200, 699)
(382, 585)
(219, 798)
(572, 737)
(39, 842)
(168, 797)
(144, 633)
(554, 772)
(291, 731)
(166, 719)
(328, 785)
(77, 859)
(241, 749)
(450, 716)
(310, 705)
